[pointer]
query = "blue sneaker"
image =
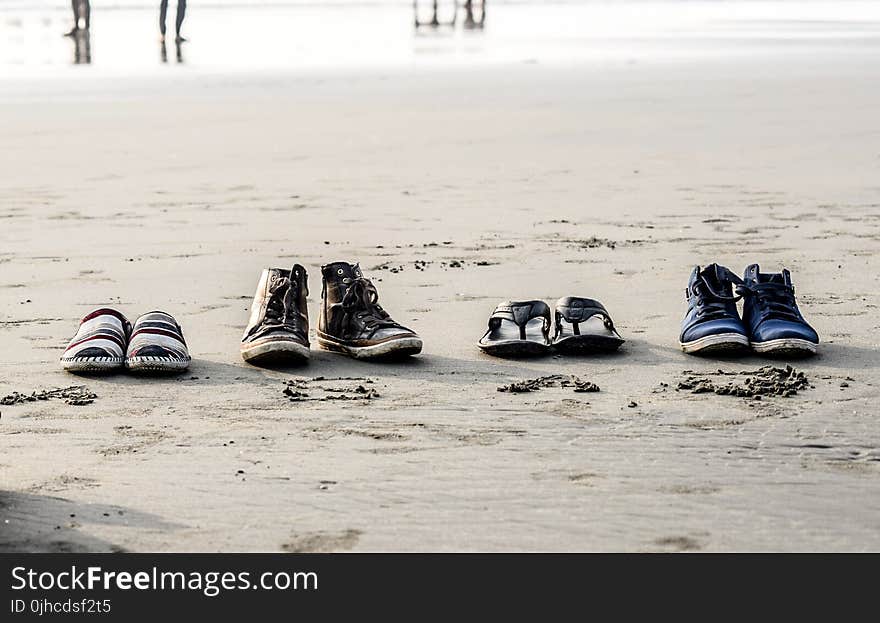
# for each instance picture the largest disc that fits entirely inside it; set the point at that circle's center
(776, 326)
(712, 323)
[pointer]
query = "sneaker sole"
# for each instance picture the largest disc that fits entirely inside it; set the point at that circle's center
(97, 365)
(278, 351)
(392, 349)
(721, 343)
(155, 364)
(785, 347)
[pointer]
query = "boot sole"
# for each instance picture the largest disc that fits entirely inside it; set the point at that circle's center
(392, 349)
(713, 344)
(785, 347)
(277, 351)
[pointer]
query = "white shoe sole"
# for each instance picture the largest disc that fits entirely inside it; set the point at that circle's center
(275, 351)
(155, 364)
(723, 342)
(93, 364)
(785, 346)
(400, 347)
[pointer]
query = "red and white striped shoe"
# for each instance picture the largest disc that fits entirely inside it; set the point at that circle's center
(157, 345)
(99, 344)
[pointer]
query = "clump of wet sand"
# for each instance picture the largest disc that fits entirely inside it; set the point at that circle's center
(321, 389)
(398, 267)
(765, 381)
(76, 395)
(554, 380)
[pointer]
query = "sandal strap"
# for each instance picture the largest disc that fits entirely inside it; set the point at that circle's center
(575, 310)
(519, 313)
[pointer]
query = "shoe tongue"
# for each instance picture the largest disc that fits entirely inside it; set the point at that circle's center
(276, 274)
(783, 278)
(342, 270)
(714, 275)
(297, 272)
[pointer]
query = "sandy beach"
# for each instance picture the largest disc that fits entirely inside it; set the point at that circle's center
(456, 184)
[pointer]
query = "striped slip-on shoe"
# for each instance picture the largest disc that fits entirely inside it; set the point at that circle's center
(157, 345)
(99, 344)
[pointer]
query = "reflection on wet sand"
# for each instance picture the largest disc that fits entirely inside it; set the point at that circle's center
(470, 10)
(82, 47)
(178, 48)
(475, 14)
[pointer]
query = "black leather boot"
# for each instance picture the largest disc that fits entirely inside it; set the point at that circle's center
(278, 330)
(353, 322)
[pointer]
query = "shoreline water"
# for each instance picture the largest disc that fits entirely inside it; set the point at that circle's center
(291, 39)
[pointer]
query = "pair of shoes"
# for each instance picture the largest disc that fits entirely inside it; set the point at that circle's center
(522, 328)
(771, 322)
(106, 341)
(351, 320)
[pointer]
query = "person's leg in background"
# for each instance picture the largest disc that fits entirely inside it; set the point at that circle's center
(74, 5)
(181, 13)
(163, 9)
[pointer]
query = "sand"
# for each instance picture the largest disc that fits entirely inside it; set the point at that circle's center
(455, 188)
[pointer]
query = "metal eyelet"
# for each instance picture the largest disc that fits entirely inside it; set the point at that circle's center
(339, 271)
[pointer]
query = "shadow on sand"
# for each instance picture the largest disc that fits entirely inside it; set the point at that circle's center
(41, 523)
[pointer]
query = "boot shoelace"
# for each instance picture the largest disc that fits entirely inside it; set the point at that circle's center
(713, 304)
(362, 300)
(281, 308)
(775, 300)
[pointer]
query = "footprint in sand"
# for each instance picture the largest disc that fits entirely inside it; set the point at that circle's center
(322, 541)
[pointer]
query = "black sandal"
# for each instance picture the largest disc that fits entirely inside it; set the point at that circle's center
(584, 326)
(513, 331)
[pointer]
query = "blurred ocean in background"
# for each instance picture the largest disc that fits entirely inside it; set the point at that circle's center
(230, 36)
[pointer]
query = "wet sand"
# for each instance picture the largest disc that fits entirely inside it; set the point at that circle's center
(455, 188)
